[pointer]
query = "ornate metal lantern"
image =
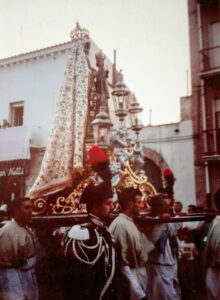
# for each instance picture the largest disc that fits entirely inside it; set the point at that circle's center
(120, 95)
(101, 127)
(134, 110)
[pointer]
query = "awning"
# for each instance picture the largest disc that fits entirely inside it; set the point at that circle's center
(14, 143)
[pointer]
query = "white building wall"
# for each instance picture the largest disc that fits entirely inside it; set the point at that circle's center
(37, 84)
(36, 79)
(174, 143)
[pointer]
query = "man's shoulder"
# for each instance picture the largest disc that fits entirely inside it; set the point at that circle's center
(119, 219)
(216, 221)
(120, 222)
(12, 230)
(79, 232)
(9, 232)
(8, 227)
(215, 225)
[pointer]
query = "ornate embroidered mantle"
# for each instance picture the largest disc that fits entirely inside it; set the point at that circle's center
(64, 152)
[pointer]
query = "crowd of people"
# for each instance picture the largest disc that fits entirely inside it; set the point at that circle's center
(123, 258)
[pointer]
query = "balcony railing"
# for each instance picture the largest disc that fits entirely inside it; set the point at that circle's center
(210, 59)
(15, 143)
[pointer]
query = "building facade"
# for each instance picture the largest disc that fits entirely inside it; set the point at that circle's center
(29, 87)
(171, 145)
(204, 31)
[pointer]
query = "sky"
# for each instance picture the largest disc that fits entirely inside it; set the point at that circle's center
(151, 39)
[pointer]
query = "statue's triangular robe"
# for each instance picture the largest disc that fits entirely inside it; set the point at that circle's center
(64, 152)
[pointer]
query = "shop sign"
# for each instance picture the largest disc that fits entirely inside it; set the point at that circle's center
(13, 171)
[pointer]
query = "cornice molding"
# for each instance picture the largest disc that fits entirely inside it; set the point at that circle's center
(36, 55)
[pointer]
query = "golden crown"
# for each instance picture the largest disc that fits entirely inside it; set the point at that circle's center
(79, 33)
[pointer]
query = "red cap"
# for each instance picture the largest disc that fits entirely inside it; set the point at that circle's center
(167, 172)
(96, 155)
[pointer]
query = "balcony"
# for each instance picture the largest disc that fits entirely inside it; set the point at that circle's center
(212, 157)
(210, 61)
(14, 143)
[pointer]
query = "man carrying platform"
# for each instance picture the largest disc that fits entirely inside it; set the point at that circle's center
(88, 248)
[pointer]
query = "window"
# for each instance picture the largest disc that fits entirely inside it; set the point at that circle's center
(17, 113)
(217, 124)
(217, 118)
(214, 41)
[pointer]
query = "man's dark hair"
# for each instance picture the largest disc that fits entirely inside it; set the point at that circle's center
(193, 207)
(95, 194)
(179, 203)
(157, 204)
(16, 204)
(127, 195)
(217, 199)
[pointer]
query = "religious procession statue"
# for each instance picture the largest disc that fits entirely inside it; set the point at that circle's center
(84, 98)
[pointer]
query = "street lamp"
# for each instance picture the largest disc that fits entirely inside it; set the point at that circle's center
(101, 127)
(120, 95)
(134, 110)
